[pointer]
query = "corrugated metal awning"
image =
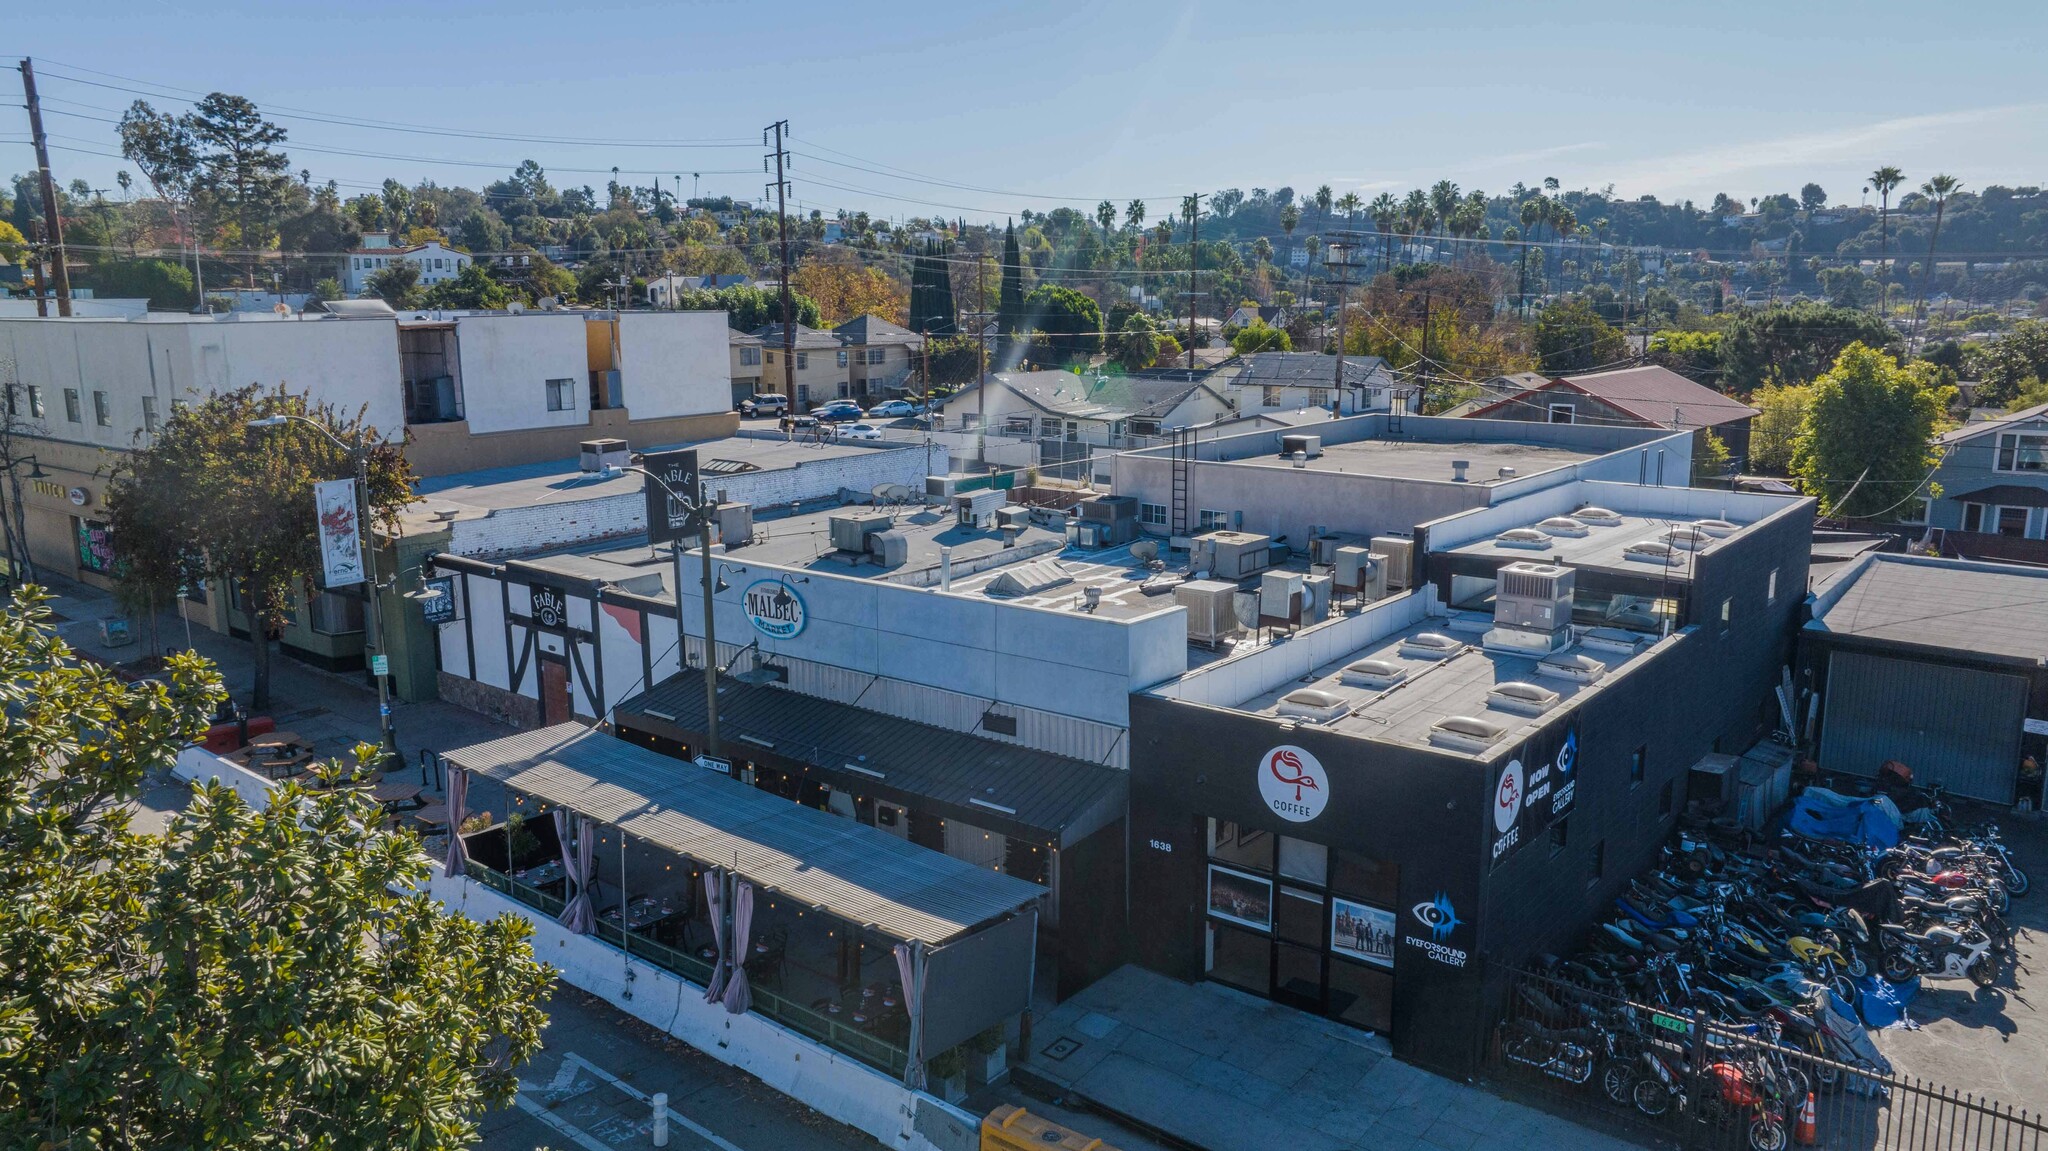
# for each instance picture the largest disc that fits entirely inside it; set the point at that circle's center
(854, 872)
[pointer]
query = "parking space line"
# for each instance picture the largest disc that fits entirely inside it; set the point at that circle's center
(685, 1121)
(567, 1129)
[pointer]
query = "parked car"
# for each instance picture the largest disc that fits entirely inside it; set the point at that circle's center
(890, 409)
(859, 432)
(838, 412)
(764, 404)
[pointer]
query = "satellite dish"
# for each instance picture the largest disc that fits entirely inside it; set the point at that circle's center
(1246, 605)
(898, 493)
(880, 492)
(1145, 551)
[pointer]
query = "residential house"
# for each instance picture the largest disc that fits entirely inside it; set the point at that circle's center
(1289, 381)
(436, 262)
(746, 364)
(882, 355)
(1271, 315)
(1988, 498)
(1646, 397)
(821, 365)
(1097, 411)
(1493, 389)
(664, 291)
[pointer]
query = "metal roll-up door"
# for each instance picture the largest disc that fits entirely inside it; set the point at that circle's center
(1953, 725)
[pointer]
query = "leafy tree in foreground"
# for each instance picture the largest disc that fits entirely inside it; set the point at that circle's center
(248, 979)
(2009, 363)
(1793, 343)
(1867, 442)
(473, 288)
(397, 284)
(1069, 324)
(1781, 416)
(1261, 337)
(1571, 337)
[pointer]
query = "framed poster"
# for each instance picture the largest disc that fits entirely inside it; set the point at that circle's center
(1358, 931)
(1241, 898)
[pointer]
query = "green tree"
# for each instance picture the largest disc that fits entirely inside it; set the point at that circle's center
(13, 245)
(1694, 355)
(258, 979)
(1571, 337)
(1867, 443)
(2004, 365)
(1134, 215)
(1069, 324)
(165, 285)
(1709, 456)
(1781, 416)
(1792, 343)
(1938, 189)
(481, 231)
(1813, 197)
(248, 495)
(473, 289)
(397, 284)
(243, 177)
(327, 288)
(747, 307)
(1136, 344)
(1105, 215)
(1261, 337)
(1010, 304)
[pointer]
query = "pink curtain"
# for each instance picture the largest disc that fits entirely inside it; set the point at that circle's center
(457, 862)
(714, 892)
(738, 997)
(910, 969)
(578, 914)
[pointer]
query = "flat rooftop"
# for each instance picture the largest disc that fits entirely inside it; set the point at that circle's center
(1979, 608)
(1604, 544)
(1431, 460)
(561, 481)
(1434, 689)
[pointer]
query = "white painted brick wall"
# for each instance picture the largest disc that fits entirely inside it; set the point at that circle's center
(516, 531)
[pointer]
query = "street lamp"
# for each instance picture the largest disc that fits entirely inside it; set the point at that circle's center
(359, 456)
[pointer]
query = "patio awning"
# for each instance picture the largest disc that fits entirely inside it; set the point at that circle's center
(853, 872)
(1018, 791)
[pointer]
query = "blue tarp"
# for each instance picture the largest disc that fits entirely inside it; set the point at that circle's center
(1822, 814)
(1883, 1003)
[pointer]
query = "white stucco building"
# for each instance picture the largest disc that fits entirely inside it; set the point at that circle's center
(436, 262)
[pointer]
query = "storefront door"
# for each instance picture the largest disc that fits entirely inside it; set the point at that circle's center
(554, 692)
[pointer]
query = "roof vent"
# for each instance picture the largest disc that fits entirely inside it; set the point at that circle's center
(1688, 537)
(1523, 538)
(1597, 516)
(1719, 529)
(1313, 705)
(1378, 674)
(1613, 639)
(1521, 698)
(1652, 552)
(1466, 733)
(1564, 526)
(1430, 645)
(1571, 665)
(1508, 473)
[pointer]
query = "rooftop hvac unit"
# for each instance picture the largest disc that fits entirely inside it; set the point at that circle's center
(1564, 526)
(1013, 517)
(1521, 698)
(1309, 446)
(1313, 704)
(1466, 733)
(1110, 509)
(1322, 549)
(1321, 591)
(1532, 609)
(941, 487)
(735, 524)
(890, 549)
(1283, 599)
(1400, 553)
(1211, 616)
(1572, 666)
(1597, 516)
(1362, 573)
(1230, 555)
(1529, 539)
(1431, 645)
(603, 455)
(1377, 674)
(977, 509)
(849, 531)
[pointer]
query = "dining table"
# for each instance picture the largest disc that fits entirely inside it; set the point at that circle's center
(543, 875)
(641, 912)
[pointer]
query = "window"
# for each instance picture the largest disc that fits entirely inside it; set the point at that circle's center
(1727, 606)
(149, 421)
(803, 361)
(71, 406)
(1242, 846)
(1563, 413)
(1973, 517)
(1664, 799)
(1318, 397)
(2022, 452)
(1771, 587)
(842, 357)
(1049, 428)
(771, 358)
(1213, 520)
(1152, 514)
(35, 402)
(1915, 511)
(878, 355)
(1561, 834)
(1305, 861)
(561, 395)
(803, 393)
(1271, 396)
(2012, 522)
(1637, 760)
(336, 614)
(102, 411)
(750, 357)
(13, 400)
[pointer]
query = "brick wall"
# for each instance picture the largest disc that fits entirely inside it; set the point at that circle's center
(520, 711)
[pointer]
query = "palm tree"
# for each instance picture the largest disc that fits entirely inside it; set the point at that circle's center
(1384, 210)
(1563, 222)
(1939, 189)
(1134, 214)
(1884, 180)
(1349, 203)
(1105, 215)
(1290, 218)
(1443, 200)
(1535, 210)
(1415, 214)
(1322, 200)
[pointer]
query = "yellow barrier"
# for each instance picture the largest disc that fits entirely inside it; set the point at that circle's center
(1015, 1129)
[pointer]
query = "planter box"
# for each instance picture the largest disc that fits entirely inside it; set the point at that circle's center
(952, 1089)
(988, 1067)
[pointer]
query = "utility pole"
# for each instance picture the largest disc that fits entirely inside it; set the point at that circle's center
(36, 251)
(1427, 296)
(981, 362)
(1338, 255)
(49, 186)
(780, 128)
(1194, 205)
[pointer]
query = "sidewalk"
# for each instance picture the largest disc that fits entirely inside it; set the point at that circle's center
(1207, 1067)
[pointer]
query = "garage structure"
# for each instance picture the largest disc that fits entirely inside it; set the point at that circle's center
(1935, 663)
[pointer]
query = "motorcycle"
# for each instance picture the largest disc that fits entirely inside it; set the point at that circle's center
(1940, 952)
(1559, 1054)
(1733, 1096)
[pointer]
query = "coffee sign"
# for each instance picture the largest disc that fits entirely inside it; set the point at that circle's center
(774, 608)
(1535, 788)
(1293, 784)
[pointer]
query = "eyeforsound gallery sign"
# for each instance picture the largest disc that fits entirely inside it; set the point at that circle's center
(1534, 788)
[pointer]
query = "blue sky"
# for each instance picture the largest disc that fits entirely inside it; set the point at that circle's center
(1000, 107)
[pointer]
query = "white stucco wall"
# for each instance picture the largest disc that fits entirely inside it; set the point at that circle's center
(675, 363)
(506, 363)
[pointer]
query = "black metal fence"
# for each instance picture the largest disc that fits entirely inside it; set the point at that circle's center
(1674, 1079)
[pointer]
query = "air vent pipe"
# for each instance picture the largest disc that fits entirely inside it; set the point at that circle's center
(946, 568)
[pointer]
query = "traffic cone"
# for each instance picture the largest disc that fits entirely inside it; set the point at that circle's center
(1806, 1132)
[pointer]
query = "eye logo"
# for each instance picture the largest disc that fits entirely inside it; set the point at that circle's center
(1438, 916)
(1507, 796)
(1293, 784)
(1568, 755)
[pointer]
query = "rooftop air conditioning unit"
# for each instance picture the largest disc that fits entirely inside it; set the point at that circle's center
(977, 509)
(1283, 599)
(1564, 526)
(603, 455)
(1614, 639)
(849, 531)
(1232, 555)
(1575, 667)
(1313, 704)
(1309, 446)
(941, 487)
(1597, 516)
(1431, 645)
(1652, 552)
(1361, 573)
(1377, 674)
(1466, 733)
(1521, 698)
(1529, 539)
(1719, 529)
(1322, 549)
(1400, 553)
(1212, 616)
